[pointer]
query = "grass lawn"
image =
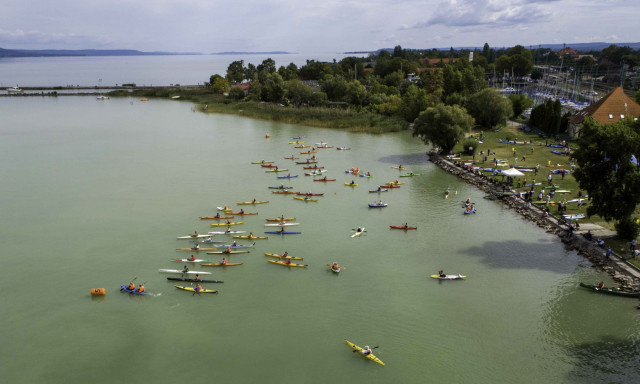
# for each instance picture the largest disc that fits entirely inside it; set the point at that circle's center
(528, 156)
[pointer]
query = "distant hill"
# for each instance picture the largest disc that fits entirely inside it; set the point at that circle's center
(253, 53)
(597, 46)
(82, 52)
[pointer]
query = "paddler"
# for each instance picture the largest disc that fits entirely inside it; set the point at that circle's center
(197, 278)
(228, 222)
(217, 215)
(285, 254)
(195, 234)
(468, 201)
(196, 246)
(198, 288)
(601, 285)
(235, 244)
(192, 258)
(185, 269)
(441, 273)
(335, 266)
(406, 225)
(288, 261)
(228, 250)
(352, 182)
(131, 286)
(140, 288)
(224, 261)
(242, 210)
(366, 350)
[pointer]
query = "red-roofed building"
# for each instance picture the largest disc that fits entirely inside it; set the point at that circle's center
(613, 107)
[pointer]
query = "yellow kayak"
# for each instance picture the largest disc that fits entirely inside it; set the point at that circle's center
(253, 202)
(282, 257)
(191, 289)
(305, 199)
(394, 183)
(250, 237)
(287, 264)
(351, 184)
(370, 356)
(226, 224)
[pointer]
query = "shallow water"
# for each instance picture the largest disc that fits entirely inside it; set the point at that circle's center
(94, 193)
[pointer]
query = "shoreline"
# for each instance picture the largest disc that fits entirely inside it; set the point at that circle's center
(624, 273)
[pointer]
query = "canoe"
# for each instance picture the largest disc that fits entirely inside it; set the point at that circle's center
(226, 253)
(192, 236)
(358, 233)
(220, 265)
(278, 170)
(313, 167)
(281, 219)
(286, 264)
(216, 217)
(234, 246)
(280, 187)
(193, 249)
(180, 271)
(243, 213)
(379, 190)
(250, 237)
(410, 175)
(324, 179)
(283, 232)
(449, 277)
(283, 224)
(191, 261)
(282, 257)
(193, 280)
(283, 192)
(192, 289)
(401, 227)
(253, 202)
(370, 356)
(225, 233)
(610, 291)
(351, 184)
(305, 199)
(226, 224)
(287, 177)
(133, 291)
(378, 205)
(261, 162)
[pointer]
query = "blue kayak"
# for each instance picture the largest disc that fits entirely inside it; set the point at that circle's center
(283, 232)
(287, 177)
(377, 205)
(124, 288)
(469, 212)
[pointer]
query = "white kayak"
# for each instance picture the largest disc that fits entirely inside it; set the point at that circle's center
(449, 277)
(358, 232)
(281, 224)
(226, 232)
(192, 236)
(180, 271)
(191, 261)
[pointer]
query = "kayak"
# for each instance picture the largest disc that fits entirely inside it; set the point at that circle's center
(253, 202)
(610, 291)
(309, 194)
(401, 227)
(410, 174)
(334, 270)
(283, 224)
(269, 166)
(313, 167)
(225, 252)
(305, 199)
(358, 233)
(193, 280)
(243, 213)
(190, 261)
(283, 192)
(315, 173)
(292, 158)
(192, 236)
(287, 264)
(302, 146)
(324, 179)
(379, 190)
(307, 162)
(449, 277)
(342, 148)
(124, 288)
(287, 177)
(261, 162)
(224, 209)
(283, 232)
(351, 184)
(394, 183)
(297, 142)
(226, 233)
(298, 138)
(211, 241)
(282, 257)
(382, 205)
(234, 246)
(277, 170)
(180, 271)
(473, 210)
(370, 356)
(282, 219)
(398, 167)
(220, 265)
(308, 152)
(193, 249)
(191, 289)
(280, 187)
(324, 146)
(362, 175)
(390, 186)
(250, 237)
(226, 224)
(216, 217)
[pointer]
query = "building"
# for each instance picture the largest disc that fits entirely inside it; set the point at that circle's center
(613, 107)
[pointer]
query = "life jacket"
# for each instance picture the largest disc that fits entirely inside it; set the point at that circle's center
(140, 289)
(224, 262)
(131, 287)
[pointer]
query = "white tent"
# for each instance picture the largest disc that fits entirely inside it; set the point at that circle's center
(512, 172)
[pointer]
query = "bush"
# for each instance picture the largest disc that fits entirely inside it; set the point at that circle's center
(469, 146)
(628, 229)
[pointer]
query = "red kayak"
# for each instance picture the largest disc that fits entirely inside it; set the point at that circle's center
(324, 179)
(401, 227)
(269, 166)
(389, 186)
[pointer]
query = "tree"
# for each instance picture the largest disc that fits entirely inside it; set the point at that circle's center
(236, 71)
(517, 60)
(519, 103)
(213, 78)
(607, 173)
(414, 101)
(489, 108)
(268, 65)
(220, 85)
(334, 86)
(290, 72)
(443, 126)
(236, 93)
(298, 92)
(273, 89)
(250, 72)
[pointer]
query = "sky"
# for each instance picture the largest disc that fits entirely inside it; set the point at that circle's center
(311, 26)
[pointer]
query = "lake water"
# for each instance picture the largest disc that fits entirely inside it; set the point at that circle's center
(94, 193)
(110, 71)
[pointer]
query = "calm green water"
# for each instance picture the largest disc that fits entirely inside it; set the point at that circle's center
(93, 194)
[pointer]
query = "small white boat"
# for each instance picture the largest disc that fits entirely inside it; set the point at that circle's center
(102, 97)
(15, 90)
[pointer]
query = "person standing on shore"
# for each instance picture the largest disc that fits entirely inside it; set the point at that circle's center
(608, 254)
(537, 169)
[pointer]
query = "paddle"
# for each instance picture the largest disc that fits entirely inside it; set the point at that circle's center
(377, 346)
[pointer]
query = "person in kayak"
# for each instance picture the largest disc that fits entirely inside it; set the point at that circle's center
(228, 250)
(446, 194)
(195, 234)
(366, 350)
(131, 286)
(601, 285)
(197, 278)
(140, 288)
(192, 258)
(217, 215)
(254, 200)
(406, 225)
(198, 288)
(228, 222)
(185, 269)
(224, 261)
(359, 229)
(235, 244)
(288, 261)
(441, 273)
(468, 201)
(335, 266)
(285, 254)
(352, 182)
(196, 246)
(242, 211)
